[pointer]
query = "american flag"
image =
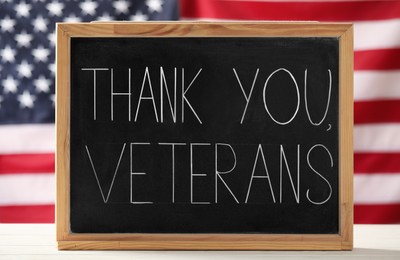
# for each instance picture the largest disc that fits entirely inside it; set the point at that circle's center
(27, 90)
(27, 56)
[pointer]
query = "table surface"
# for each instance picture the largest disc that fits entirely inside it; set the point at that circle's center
(37, 241)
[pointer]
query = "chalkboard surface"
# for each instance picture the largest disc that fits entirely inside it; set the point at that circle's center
(204, 135)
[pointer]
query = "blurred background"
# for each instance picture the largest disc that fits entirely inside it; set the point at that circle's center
(27, 72)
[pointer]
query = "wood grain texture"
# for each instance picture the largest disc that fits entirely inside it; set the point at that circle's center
(62, 135)
(346, 59)
(198, 245)
(205, 29)
(341, 241)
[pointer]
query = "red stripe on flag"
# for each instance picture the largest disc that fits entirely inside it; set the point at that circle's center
(377, 111)
(377, 214)
(26, 163)
(27, 214)
(376, 163)
(363, 214)
(385, 59)
(317, 11)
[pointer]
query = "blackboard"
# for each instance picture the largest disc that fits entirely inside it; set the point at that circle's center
(204, 135)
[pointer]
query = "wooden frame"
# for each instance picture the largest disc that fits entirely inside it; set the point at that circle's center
(341, 241)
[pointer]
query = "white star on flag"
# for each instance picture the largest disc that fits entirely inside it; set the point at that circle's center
(25, 69)
(52, 68)
(40, 24)
(53, 99)
(7, 24)
(72, 19)
(42, 84)
(139, 17)
(26, 99)
(154, 5)
(22, 9)
(104, 17)
(121, 6)
(8, 54)
(88, 7)
(55, 8)
(41, 54)
(10, 85)
(52, 38)
(23, 39)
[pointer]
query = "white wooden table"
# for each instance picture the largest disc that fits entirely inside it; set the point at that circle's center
(37, 241)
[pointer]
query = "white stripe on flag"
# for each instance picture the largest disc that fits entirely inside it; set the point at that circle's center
(27, 189)
(376, 188)
(374, 85)
(367, 35)
(377, 138)
(377, 34)
(35, 138)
